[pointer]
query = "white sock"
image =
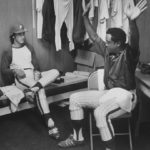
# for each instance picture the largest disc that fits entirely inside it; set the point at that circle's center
(80, 135)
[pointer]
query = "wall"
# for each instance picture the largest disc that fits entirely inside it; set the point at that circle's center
(20, 11)
(143, 23)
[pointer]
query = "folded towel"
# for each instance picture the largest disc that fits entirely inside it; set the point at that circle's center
(14, 94)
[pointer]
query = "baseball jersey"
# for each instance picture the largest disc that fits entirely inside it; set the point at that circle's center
(21, 58)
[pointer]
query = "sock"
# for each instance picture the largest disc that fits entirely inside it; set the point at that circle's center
(48, 120)
(110, 144)
(36, 87)
(77, 129)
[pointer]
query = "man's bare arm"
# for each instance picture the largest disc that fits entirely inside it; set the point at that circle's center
(89, 28)
(133, 13)
(91, 32)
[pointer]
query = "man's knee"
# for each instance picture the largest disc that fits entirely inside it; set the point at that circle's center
(98, 113)
(55, 72)
(74, 104)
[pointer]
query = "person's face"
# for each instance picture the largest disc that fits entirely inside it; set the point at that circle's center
(112, 46)
(19, 38)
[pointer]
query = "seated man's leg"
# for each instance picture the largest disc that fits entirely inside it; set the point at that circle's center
(78, 101)
(34, 86)
(44, 108)
(47, 78)
(108, 109)
(24, 85)
(41, 103)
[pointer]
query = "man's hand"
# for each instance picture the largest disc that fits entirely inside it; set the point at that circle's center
(86, 9)
(133, 12)
(37, 75)
(19, 73)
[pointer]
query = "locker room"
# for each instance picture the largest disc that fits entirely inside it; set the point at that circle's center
(74, 74)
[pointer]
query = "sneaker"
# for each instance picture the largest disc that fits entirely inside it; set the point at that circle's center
(70, 142)
(54, 133)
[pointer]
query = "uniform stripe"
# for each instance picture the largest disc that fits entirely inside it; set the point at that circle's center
(39, 104)
(22, 83)
(107, 117)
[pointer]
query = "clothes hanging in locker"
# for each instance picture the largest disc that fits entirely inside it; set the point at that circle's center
(48, 30)
(103, 15)
(91, 12)
(79, 28)
(64, 13)
(39, 4)
(118, 17)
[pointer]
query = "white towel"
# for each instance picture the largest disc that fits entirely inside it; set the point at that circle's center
(14, 94)
(39, 4)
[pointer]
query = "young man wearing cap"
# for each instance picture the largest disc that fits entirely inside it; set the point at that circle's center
(19, 65)
(118, 96)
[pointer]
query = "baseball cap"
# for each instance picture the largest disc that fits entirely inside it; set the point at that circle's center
(18, 28)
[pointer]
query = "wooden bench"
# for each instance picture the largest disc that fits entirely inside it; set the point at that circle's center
(55, 92)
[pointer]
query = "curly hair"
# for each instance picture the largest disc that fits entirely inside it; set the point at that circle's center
(11, 37)
(118, 35)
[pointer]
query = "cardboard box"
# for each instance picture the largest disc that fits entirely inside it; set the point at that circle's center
(88, 61)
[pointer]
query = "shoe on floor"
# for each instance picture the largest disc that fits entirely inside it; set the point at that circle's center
(54, 133)
(70, 142)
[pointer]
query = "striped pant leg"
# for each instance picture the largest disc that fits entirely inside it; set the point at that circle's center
(103, 115)
(41, 101)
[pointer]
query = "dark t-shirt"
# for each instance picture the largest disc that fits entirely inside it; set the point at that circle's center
(119, 69)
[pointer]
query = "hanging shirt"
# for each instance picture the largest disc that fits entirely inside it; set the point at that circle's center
(116, 13)
(39, 4)
(103, 15)
(21, 58)
(64, 13)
